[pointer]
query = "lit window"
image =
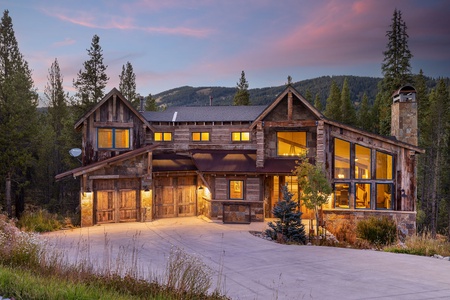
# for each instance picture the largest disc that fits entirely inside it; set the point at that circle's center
(362, 195)
(236, 189)
(384, 196)
(341, 195)
(362, 162)
(341, 159)
(240, 136)
(113, 138)
(200, 136)
(163, 136)
(292, 143)
(384, 166)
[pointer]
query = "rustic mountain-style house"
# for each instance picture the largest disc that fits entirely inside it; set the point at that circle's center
(228, 162)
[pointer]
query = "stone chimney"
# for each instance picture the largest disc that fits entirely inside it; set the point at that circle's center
(404, 115)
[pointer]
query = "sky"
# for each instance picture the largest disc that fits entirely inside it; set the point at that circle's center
(174, 43)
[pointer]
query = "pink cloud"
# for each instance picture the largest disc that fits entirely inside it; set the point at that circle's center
(114, 22)
(66, 42)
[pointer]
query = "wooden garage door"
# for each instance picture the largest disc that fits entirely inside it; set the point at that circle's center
(116, 200)
(175, 196)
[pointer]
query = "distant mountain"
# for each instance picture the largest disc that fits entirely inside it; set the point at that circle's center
(200, 96)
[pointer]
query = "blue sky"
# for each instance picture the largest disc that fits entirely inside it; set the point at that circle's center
(173, 43)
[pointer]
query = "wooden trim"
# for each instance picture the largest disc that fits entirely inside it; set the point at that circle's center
(113, 177)
(114, 124)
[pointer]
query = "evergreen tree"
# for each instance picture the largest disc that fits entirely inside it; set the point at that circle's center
(18, 116)
(396, 68)
(364, 114)
(308, 96)
(150, 103)
(347, 109)
(288, 227)
(242, 96)
(127, 85)
(318, 103)
(435, 133)
(92, 80)
(56, 138)
(333, 105)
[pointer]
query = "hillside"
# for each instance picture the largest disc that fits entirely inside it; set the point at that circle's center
(200, 96)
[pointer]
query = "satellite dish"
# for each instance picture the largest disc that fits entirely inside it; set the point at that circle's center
(75, 152)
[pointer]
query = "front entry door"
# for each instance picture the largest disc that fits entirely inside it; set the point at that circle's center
(175, 196)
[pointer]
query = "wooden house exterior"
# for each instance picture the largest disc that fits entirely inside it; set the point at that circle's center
(229, 162)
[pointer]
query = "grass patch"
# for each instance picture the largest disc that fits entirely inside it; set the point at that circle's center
(39, 220)
(422, 245)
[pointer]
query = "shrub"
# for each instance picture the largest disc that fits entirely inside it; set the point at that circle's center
(377, 231)
(39, 221)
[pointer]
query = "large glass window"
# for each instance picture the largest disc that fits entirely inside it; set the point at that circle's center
(200, 136)
(163, 136)
(240, 136)
(384, 166)
(384, 196)
(362, 195)
(341, 159)
(341, 195)
(113, 138)
(291, 143)
(236, 189)
(362, 162)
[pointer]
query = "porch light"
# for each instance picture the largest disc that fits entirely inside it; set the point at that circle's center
(201, 187)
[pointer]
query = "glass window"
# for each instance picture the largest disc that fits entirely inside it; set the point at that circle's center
(200, 136)
(163, 136)
(362, 195)
(236, 189)
(240, 136)
(384, 166)
(113, 138)
(362, 162)
(341, 159)
(291, 143)
(341, 195)
(384, 196)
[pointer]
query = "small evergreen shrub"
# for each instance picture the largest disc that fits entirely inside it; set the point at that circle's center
(377, 231)
(288, 227)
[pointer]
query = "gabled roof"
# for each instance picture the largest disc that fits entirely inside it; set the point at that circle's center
(101, 164)
(280, 97)
(206, 114)
(114, 91)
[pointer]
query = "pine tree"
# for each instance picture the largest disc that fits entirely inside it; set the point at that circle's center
(318, 103)
(308, 96)
(364, 114)
(347, 109)
(288, 227)
(333, 105)
(127, 85)
(150, 103)
(396, 68)
(242, 96)
(18, 118)
(92, 80)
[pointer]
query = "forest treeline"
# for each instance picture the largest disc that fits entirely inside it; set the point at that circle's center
(35, 142)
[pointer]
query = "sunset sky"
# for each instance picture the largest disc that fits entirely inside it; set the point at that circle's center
(173, 43)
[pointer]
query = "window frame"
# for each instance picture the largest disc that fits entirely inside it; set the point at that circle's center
(113, 138)
(201, 133)
(301, 152)
(242, 187)
(240, 140)
(163, 134)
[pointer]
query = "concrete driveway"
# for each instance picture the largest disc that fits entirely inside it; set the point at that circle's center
(253, 268)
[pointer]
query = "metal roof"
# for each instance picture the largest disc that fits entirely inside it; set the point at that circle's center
(205, 114)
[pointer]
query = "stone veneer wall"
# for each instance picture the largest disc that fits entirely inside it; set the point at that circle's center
(237, 211)
(342, 223)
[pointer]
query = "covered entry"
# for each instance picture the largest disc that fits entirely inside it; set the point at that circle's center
(175, 196)
(116, 200)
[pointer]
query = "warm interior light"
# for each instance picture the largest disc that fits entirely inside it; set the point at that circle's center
(341, 176)
(201, 187)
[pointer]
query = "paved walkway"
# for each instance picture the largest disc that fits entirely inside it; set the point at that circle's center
(253, 268)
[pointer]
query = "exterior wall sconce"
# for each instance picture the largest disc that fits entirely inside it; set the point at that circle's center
(87, 192)
(146, 189)
(201, 187)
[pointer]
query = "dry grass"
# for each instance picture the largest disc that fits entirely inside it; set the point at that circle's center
(422, 245)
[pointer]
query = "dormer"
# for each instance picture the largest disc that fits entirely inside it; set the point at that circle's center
(113, 126)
